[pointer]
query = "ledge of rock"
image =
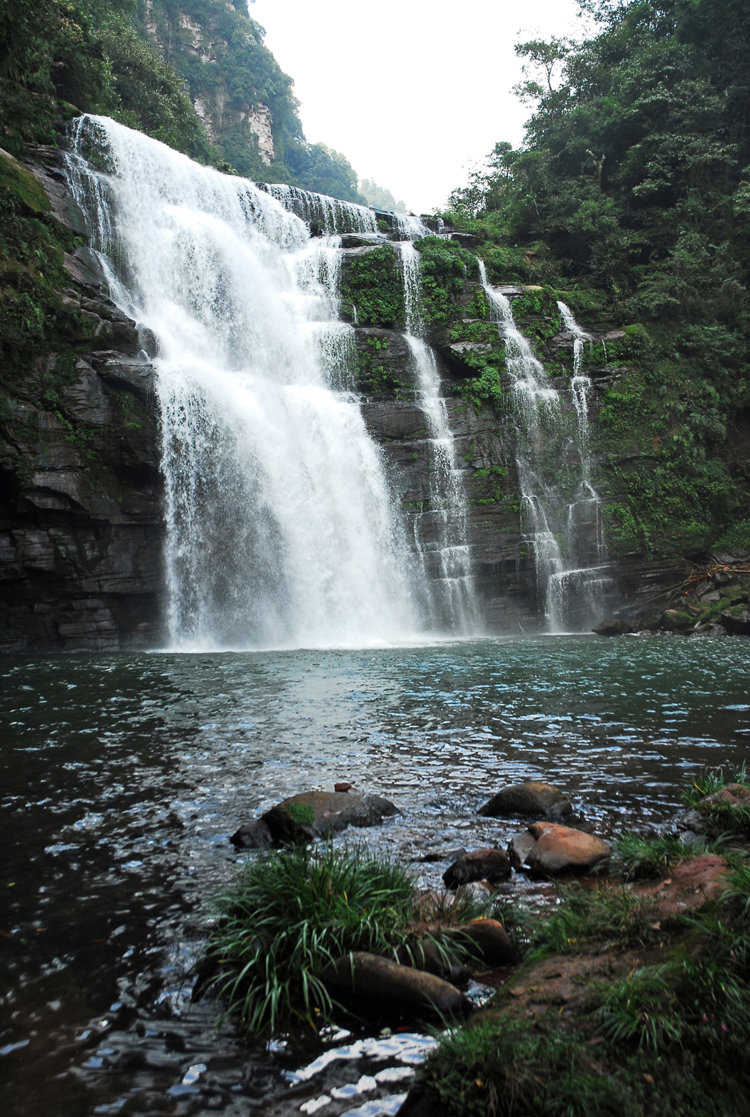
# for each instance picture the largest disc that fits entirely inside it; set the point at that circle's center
(481, 864)
(367, 983)
(312, 814)
(549, 849)
(534, 798)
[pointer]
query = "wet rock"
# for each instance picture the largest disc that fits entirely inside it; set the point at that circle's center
(487, 939)
(561, 849)
(735, 794)
(540, 800)
(612, 626)
(480, 864)
(519, 848)
(426, 955)
(313, 814)
(736, 623)
(252, 835)
(374, 986)
(443, 855)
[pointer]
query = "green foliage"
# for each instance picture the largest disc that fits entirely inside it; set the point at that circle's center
(380, 197)
(642, 1009)
(292, 913)
(607, 915)
(372, 284)
(713, 779)
(632, 195)
(444, 268)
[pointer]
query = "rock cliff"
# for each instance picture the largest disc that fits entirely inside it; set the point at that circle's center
(80, 505)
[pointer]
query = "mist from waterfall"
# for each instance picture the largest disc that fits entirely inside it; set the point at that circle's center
(280, 525)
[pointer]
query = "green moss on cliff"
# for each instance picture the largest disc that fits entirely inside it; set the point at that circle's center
(372, 284)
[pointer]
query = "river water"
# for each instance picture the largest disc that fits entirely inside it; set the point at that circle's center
(124, 776)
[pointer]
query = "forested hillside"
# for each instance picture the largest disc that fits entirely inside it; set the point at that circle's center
(631, 195)
(150, 64)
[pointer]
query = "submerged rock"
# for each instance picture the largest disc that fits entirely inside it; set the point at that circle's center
(561, 849)
(373, 986)
(540, 800)
(480, 864)
(312, 814)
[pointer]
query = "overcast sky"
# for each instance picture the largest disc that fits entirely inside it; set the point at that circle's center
(412, 92)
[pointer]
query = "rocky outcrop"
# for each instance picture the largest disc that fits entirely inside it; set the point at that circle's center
(481, 864)
(80, 503)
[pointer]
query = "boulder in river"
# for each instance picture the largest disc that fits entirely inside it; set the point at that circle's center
(372, 986)
(481, 864)
(532, 798)
(561, 849)
(487, 940)
(313, 814)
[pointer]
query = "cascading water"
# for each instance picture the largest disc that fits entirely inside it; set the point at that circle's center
(323, 214)
(280, 530)
(560, 508)
(441, 530)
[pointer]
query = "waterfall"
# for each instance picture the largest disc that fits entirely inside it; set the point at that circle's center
(321, 213)
(441, 531)
(560, 510)
(280, 525)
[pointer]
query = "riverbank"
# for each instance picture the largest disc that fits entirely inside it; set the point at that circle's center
(633, 995)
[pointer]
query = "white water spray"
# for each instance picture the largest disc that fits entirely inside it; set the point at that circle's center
(280, 530)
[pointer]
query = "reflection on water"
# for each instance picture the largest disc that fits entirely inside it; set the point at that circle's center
(124, 776)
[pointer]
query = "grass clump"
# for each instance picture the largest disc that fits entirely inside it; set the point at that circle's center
(712, 780)
(606, 915)
(288, 916)
(494, 1070)
(648, 858)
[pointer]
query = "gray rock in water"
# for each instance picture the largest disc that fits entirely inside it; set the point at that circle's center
(372, 986)
(313, 814)
(532, 798)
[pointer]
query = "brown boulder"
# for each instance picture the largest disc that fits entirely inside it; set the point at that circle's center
(487, 940)
(560, 849)
(534, 798)
(372, 986)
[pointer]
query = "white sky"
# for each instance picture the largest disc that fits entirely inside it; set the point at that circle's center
(412, 92)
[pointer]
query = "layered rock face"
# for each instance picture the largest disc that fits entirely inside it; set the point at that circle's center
(80, 510)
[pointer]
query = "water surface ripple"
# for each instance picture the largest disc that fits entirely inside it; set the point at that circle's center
(124, 776)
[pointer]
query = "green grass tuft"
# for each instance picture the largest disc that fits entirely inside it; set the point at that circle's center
(289, 915)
